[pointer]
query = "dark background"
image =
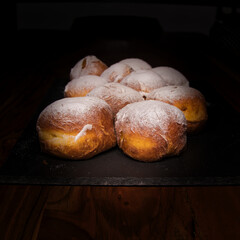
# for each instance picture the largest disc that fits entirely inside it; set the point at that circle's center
(32, 29)
(35, 34)
(201, 40)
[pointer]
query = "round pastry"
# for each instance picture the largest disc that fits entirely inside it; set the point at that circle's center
(116, 72)
(76, 128)
(79, 87)
(136, 63)
(143, 81)
(150, 130)
(189, 100)
(171, 76)
(89, 65)
(116, 95)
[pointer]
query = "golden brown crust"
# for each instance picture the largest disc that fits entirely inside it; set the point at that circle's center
(147, 147)
(77, 93)
(80, 87)
(63, 145)
(76, 132)
(112, 76)
(100, 67)
(149, 141)
(192, 103)
(73, 123)
(89, 65)
(139, 146)
(195, 111)
(116, 72)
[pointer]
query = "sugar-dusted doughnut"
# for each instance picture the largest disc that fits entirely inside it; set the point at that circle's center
(171, 76)
(76, 128)
(143, 81)
(116, 95)
(79, 87)
(89, 65)
(136, 63)
(150, 130)
(116, 72)
(189, 100)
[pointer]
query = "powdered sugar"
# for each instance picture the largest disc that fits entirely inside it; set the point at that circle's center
(173, 93)
(143, 80)
(116, 72)
(136, 63)
(116, 95)
(67, 110)
(154, 115)
(85, 82)
(117, 90)
(171, 76)
(85, 66)
(83, 131)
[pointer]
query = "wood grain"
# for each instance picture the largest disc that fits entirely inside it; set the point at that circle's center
(63, 212)
(21, 207)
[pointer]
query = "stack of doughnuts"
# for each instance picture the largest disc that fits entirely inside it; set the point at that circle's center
(146, 111)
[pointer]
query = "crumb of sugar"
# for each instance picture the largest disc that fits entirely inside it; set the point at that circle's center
(83, 131)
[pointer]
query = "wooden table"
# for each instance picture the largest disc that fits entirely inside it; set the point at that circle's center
(90, 212)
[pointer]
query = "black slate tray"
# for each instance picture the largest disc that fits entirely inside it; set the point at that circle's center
(211, 157)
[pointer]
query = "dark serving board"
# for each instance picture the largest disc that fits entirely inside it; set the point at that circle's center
(211, 158)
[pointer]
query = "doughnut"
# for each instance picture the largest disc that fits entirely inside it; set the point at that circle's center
(189, 100)
(89, 65)
(143, 81)
(171, 76)
(150, 130)
(116, 72)
(79, 87)
(116, 95)
(136, 63)
(76, 128)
